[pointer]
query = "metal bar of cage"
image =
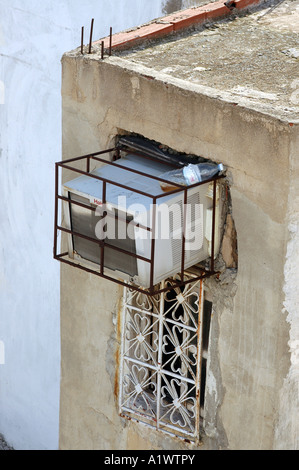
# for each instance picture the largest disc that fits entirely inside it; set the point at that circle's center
(101, 243)
(93, 209)
(151, 291)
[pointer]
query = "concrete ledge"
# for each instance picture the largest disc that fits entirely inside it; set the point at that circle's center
(175, 22)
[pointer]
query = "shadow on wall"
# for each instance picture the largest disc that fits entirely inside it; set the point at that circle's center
(169, 6)
(3, 444)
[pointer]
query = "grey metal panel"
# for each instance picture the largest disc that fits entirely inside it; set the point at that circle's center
(85, 221)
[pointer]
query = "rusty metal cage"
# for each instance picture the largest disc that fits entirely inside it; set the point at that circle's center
(197, 272)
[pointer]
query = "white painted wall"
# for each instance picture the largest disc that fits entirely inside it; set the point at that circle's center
(33, 37)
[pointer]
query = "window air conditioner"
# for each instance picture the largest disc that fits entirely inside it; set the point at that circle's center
(128, 213)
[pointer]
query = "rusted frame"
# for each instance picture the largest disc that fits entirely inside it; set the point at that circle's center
(67, 164)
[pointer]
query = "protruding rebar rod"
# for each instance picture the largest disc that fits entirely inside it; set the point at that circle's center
(90, 39)
(82, 38)
(110, 42)
(102, 50)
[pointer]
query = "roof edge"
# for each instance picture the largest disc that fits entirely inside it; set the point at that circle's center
(175, 22)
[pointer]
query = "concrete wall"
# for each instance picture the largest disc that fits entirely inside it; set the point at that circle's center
(249, 355)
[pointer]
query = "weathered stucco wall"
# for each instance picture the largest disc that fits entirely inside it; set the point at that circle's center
(287, 429)
(249, 356)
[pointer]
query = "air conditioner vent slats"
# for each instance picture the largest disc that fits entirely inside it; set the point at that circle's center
(176, 224)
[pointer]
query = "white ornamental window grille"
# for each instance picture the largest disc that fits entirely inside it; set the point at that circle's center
(161, 359)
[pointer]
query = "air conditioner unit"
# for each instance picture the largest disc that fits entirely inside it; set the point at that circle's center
(129, 221)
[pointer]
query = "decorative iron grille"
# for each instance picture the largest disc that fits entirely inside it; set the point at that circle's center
(161, 357)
